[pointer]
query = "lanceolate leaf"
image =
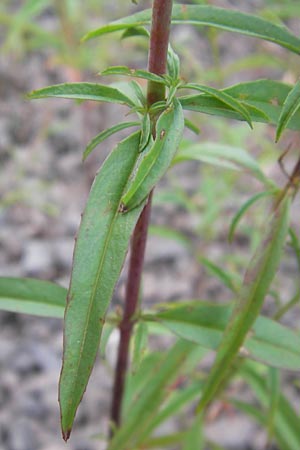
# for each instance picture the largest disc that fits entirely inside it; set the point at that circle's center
(244, 208)
(31, 296)
(223, 97)
(199, 15)
(204, 323)
(133, 32)
(256, 284)
(137, 73)
(155, 160)
(220, 155)
(104, 135)
(290, 107)
(98, 258)
(83, 91)
(263, 98)
(226, 278)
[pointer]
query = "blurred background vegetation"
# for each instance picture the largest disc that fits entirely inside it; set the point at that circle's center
(43, 183)
(40, 45)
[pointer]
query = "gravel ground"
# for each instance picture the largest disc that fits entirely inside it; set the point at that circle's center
(43, 188)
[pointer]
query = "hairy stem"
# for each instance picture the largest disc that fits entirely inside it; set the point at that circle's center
(159, 40)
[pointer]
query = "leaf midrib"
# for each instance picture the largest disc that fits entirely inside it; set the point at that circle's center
(93, 293)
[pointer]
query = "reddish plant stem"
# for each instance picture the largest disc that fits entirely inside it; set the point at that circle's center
(159, 40)
(138, 245)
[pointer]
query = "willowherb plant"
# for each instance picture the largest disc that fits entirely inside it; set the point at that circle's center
(117, 211)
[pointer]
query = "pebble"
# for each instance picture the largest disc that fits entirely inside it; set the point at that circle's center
(23, 436)
(37, 257)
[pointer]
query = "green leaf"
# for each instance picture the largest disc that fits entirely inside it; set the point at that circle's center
(31, 296)
(274, 392)
(194, 437)
(83, 91)
(263, 98)
(257, 281)
(144, 406)
(175, 403)
(177, 398)
(133, 90)
(199, 15)
(223, 97)
(99, 254)
(135, 32)
(204, 323)
(136, 381)
(140, 342)
(155, 160)
(220, 155)
(286, 420)
(165, 440)
(173, 63)
(227, 279)
(243, 209)
(145, 132)
(104, 135)
(290, 107)
(137, 73)
(191, 126)
(295, 244)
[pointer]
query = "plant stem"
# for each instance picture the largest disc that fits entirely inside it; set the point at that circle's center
(159, 41)
(138, 245)
(157, 63)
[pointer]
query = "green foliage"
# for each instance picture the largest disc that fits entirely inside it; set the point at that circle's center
(204, 324)
(263, 98)
(83, 91)
(221, 18)
(236, 331)
(30, 296)
(154, 161)
(256, 285)
(290, 107)
(102, 244)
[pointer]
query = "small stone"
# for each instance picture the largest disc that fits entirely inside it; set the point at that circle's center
(22, 436)
(37, 257)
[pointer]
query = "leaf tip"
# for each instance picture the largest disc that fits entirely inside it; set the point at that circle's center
(29, 95)
(84, 38)
(66, 434)
(277, 137)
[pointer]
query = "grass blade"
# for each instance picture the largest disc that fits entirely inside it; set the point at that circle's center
(98, 258)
